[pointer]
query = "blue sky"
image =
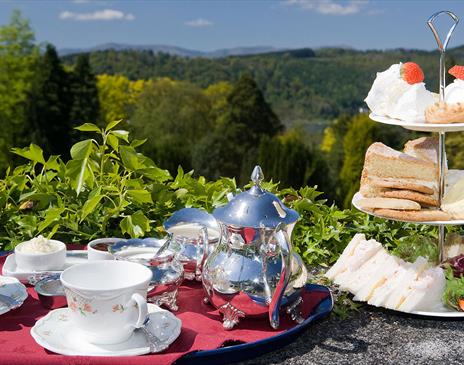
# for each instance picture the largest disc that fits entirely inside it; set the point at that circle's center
(209, 25)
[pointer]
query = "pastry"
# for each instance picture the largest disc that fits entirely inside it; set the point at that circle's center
(424, 200)
(385, 162)
(425, 148)
(376, 184)
(443, 113)
(388, 203)
(424, 215)
(453, 200)
(451, 110)
(399, 92)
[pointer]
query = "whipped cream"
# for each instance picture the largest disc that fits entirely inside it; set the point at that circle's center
(391, 96)
(39, 244)
(454, 92)
(411, 106)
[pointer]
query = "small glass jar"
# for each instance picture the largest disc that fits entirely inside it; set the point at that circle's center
(167, 270)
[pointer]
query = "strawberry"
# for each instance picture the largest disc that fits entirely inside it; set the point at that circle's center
(457, 71)
(412, 73)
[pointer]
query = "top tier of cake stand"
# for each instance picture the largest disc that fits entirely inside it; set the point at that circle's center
(419, 126)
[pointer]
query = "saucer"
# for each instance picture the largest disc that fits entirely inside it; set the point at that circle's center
(13, 289)
(73, 257)
(55, 332)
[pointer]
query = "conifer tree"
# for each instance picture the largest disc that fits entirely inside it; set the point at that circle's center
(84, 93)
(49, 105)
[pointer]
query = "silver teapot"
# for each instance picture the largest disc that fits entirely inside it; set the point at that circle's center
(253, 271)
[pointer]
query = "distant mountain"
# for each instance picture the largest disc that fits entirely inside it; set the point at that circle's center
(172, 50)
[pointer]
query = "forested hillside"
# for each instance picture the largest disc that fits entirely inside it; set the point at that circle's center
(296, 113)
(300, 84)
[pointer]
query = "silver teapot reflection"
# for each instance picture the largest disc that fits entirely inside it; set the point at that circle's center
(253, 271)
(156, 254)
(195, 233)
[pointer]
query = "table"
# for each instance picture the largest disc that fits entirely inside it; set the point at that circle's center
(374, 336)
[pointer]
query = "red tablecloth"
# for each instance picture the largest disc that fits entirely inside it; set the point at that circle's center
(201, 330)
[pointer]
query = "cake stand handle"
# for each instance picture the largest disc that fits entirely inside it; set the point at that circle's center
(441, 166)
(441, 243)
(442, 45)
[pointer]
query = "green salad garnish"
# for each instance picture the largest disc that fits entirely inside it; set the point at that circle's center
(453, 296)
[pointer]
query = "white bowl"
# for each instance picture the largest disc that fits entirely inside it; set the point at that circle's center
(94, 254)
(41, 261)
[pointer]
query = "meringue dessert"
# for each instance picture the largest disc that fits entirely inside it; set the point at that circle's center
(400, 93)
(452, 109)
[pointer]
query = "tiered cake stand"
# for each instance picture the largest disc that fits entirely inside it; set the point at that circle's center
(441, 129)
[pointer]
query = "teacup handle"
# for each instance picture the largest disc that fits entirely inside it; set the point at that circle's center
(141, 303)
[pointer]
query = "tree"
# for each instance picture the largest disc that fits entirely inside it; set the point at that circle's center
(18, 57)
(175, 116)
(117, 96)
(49, 103)
(84, 93)
(218, 154)
(248, 107)
(237, 135)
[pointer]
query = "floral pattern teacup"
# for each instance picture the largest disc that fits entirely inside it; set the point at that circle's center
(107, 299)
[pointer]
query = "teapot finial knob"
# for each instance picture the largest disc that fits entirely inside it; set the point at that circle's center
(257, 175)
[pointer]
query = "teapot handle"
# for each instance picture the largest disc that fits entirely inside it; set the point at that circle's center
(274, 307)
(202, 258)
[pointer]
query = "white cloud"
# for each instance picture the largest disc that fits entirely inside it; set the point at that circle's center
(199, 23)
(106, 14)
(330, 7)
(80, 1)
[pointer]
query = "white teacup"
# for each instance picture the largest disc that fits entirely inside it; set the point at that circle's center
(107, 299)
(95, 251)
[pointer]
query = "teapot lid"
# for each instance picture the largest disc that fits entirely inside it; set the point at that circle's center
(255, 207)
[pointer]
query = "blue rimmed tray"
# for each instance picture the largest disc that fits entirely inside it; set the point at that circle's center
(246, 351)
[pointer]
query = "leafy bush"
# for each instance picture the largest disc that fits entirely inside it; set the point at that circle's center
(107, 188)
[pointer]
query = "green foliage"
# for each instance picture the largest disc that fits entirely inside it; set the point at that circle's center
(325, 84)
(232, 148)
(83, 88)
(455, 152)
(49, 105)
(174, 115)
(117, 96)
(410, 248)
(358, 138)
(18, 56)
(105, 189)
(454, 291)
(287, 159)
(111, 189)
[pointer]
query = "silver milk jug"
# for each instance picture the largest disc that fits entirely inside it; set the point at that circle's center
(253, 271)
(195, 234)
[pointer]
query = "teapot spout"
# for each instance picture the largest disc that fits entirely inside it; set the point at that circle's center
(274, 307)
